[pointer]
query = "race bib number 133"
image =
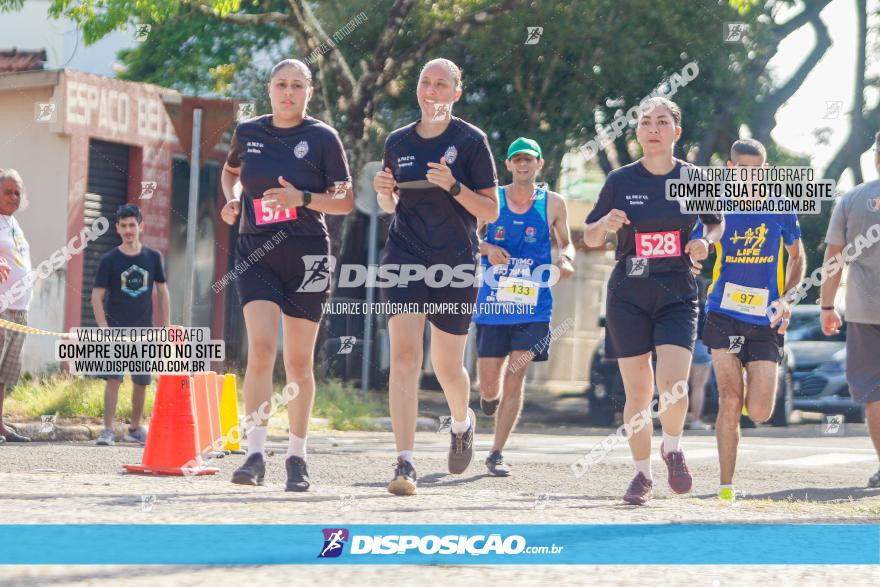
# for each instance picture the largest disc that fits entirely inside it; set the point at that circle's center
(517, 290)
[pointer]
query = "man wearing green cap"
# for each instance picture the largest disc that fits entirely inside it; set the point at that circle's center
(514, 303)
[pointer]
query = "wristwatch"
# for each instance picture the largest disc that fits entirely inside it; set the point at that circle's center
(455, 189)
(307, 198)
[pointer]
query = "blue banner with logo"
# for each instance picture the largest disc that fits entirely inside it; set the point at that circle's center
(612, 544)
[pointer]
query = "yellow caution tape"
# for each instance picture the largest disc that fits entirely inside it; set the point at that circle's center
(8, 325)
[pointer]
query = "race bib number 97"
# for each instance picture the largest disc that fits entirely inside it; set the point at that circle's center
(656, 245)
(267, 215)
(745, 300)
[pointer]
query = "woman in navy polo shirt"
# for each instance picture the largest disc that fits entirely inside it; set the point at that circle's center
(652, 301)
(438, 180)
(292, 170)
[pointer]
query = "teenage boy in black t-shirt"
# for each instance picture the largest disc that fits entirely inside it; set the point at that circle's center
(123, 296)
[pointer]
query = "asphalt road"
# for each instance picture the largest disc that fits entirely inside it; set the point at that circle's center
(798, 475)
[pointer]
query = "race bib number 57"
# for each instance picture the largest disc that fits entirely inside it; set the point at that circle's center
(656, 245)
(267, 215)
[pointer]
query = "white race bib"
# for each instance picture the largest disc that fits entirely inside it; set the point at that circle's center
(745, 300)
(518, 290)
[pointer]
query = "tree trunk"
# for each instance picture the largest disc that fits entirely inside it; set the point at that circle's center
(860, 135)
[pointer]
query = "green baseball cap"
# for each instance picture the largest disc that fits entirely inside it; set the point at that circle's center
(524, 145)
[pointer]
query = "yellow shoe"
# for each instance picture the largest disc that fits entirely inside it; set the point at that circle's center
(727, 495)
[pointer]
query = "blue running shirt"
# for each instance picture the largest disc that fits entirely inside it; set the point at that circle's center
(749, 270)
(526, 237)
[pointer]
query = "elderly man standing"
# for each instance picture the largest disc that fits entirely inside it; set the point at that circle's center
(15, 264)
(852, 233)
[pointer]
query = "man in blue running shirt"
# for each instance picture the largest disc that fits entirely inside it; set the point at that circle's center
(514, 303)
(749, 277)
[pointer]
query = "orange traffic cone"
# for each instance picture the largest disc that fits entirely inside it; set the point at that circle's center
(204, 419)
(214, 395)
(171, 441)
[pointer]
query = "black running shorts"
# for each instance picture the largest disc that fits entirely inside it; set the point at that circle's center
(295, 273)
(643, 313)
(750, 342)
(449, 308)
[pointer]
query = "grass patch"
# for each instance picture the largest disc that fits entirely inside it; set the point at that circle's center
(68, 396)
(345, 407)
(73, 396)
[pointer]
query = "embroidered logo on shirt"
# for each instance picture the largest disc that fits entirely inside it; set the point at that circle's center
(530, 234)
(301, 149)
(499, 233)
(451, 155)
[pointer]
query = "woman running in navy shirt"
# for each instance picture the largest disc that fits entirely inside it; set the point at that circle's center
(652, 294)
(292, 170)
(438, 180)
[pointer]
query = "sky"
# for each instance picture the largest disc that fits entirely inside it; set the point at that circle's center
(821, 102)
(815, 105)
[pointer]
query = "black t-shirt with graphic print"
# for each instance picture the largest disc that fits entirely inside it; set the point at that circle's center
(310, 156)
(128, 280)
(642, 195)
(428, 222)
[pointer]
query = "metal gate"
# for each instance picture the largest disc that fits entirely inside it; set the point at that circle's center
(107, 190)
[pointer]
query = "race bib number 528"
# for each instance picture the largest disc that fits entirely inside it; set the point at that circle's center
(654, 245)
(267, 215)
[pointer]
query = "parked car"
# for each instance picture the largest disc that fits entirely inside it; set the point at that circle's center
(606, 396)
(820, 367)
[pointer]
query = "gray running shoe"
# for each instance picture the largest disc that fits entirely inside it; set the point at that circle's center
(404, 482)
(461, 448)
(874, 482)
(106, 438)
(495, 463)
(139, 435)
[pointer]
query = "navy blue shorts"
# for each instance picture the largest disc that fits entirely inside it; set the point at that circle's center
(498, 340)
(642, 313)
(750, 342)
(295, 273)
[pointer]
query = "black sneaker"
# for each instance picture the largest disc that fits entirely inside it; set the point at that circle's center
(404, 482)
(252, 471)
(297, 474)
(489, 405)
(495, 463)
(461, 447)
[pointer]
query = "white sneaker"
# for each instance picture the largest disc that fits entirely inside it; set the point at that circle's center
(106, 438)
(699, 425)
